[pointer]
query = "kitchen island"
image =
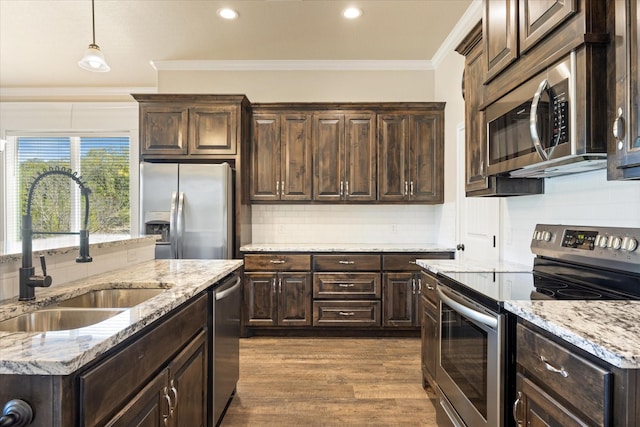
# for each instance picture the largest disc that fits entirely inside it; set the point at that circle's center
(112, 370)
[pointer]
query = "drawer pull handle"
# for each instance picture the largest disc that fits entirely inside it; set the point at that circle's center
(346, 313)
(516, 404)
(277, 261)
(552, 368)
(346, 262)
(346, 285)
(430, 288)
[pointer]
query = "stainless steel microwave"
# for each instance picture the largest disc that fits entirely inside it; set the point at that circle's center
(543, 128)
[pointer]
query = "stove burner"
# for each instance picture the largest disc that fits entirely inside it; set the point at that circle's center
(578, 294)
(545, 291)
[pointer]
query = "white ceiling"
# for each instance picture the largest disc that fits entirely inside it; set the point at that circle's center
(41, 41)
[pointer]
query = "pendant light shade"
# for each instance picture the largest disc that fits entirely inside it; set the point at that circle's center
(93, 59)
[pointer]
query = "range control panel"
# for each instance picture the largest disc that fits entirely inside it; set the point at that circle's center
(610, 247)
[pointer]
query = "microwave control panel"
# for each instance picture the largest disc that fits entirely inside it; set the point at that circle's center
(559, 94)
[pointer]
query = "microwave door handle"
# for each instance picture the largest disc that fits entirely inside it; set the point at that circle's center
(533, 119)
(173, 227)
(472, 314)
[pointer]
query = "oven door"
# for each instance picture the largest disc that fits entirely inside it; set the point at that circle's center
(470, 364)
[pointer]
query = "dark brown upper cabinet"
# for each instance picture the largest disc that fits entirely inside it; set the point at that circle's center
(185, 125)
(623, 160)
(281, 156)
(411, 156)
(512, 27)
(344, 157)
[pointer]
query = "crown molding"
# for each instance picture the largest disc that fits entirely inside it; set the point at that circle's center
(293, 65)
(74, 92)
(469, 19)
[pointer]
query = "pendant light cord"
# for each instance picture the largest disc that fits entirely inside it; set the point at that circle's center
(93, 21)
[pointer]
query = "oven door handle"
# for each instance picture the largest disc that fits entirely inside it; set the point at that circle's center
(472, 314)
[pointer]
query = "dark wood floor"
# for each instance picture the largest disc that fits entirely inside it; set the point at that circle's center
(330, 382)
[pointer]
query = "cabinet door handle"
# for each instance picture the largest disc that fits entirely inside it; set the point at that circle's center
(411, 188)
(549, 367)
(406, 188)
(419, 285)
(346, 285)
(273, 285)
(165, 394)
(346, 313)
(516, 404)
(346, 191)
(341, 188)
(346, 262)
(175, 396)
(413, 285)
(618, 128)
(280, 286)
(277, 261)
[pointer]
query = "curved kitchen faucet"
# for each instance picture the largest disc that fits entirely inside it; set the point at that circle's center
(28, 279)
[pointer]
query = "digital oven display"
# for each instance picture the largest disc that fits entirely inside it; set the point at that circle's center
(579, 239)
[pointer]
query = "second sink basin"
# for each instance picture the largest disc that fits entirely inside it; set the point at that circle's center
(111, 298)
(56, 320)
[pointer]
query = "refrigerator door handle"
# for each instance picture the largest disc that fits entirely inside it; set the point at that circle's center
(173, 227)
(180, 225)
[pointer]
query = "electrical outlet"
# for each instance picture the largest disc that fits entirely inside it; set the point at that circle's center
(281, 229)
(394, 228)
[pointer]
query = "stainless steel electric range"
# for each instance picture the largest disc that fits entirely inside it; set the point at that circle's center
(475, 369)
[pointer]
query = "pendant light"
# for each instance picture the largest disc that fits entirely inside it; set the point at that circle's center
(93, 59)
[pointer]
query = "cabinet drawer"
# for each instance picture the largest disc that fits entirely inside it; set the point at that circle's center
(346, 262)
(346, 285)
(580, 382)
(277, 262)
(429, 287)
(346, 313)
(101, 388)
(407, 262)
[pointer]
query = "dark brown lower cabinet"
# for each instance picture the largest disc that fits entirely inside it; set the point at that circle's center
(401, 300)
(277, 299)
(175, 397)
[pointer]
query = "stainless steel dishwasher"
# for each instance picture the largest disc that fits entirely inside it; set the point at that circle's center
(225, 343)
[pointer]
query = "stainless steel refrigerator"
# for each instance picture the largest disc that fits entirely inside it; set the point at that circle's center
(190, 207)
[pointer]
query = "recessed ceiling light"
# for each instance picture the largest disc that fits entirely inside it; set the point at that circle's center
(352, 13)
(227, 13)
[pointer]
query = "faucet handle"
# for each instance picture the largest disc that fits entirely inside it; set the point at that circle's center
(44, 280)
(43, 264)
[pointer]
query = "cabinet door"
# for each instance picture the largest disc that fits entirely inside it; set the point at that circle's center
(539, 17)
(163, 128)
(393, 134)
(188, 384)
(149, 408)
(500, 35)
(429, 338)
(535, 407)
(398, 299)
(624, 150)
(295, 146)
(426, 158)
(260, 299)
(475, 131)
(328, 157)
(265, 157)
(294, 299)
(360, 157)
(212, 129)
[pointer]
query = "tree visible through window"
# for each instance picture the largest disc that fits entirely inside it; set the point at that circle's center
(57, 206)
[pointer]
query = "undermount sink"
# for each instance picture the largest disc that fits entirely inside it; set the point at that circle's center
(111, 298)
(56, 319)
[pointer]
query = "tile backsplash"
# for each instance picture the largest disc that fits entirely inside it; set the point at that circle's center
(311, 223)
(63, 267)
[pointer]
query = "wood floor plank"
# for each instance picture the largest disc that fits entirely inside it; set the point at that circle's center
(330, 382)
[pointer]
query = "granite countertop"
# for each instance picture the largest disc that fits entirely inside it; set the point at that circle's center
(343, 247)
(63, 352)
(610, 330)
(472, 266)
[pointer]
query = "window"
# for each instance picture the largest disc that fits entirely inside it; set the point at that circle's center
(57, 204)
